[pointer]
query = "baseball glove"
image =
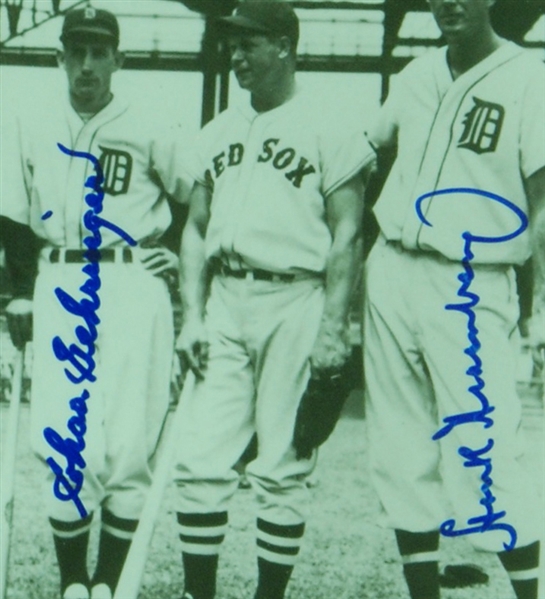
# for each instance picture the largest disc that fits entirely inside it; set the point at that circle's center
(319, 410)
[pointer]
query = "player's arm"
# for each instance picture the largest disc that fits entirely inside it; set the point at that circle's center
(192, 342)
(344, 208)
(167, 170)
(21, 250)
(535, 188)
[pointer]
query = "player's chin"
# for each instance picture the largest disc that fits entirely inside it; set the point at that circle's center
(451, 27)
(244, 80)
(86, 91)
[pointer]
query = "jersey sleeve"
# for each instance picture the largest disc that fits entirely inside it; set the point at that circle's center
(169, 161)
(16, 169)
(382, 132)
(343, 154)
(199, 159)
(532, 137)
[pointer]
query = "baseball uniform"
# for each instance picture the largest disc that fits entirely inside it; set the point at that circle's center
(128, 400)
(268, 174)
(441, 315)
(93, 177)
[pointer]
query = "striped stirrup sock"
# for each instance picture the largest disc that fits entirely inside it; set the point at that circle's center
(277, 549)
(115, 540)
(71, 540)
(201, 536)
(522, 567)
(420, 556)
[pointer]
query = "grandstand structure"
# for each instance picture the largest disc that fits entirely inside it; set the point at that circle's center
(346, 36)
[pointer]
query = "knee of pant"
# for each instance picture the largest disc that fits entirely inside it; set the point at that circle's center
(286, 499)
(205, 495)
(191, 471)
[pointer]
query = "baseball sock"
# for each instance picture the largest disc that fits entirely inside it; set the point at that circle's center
(420, 555)
(522, 566)
(71, 540)
(201, 536)
(115, 540)
(277, 549)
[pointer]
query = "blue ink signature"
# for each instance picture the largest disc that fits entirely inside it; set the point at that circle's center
(474, 457)
(71, 450)
(68, 482)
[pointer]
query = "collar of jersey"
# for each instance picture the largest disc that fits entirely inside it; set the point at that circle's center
(116, 106)
(250, 114)
(504, 53)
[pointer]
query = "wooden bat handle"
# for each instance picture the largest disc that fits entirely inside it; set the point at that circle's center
(8, 467)
(133, 570)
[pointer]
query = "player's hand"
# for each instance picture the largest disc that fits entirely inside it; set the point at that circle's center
(331, 349)
(536, 329)
(192, 347)
(19, 317)
(158, 260)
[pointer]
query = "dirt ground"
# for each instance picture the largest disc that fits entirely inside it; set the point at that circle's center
(345, 554)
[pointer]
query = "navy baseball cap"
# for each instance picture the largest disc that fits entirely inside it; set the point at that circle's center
(90, 23)
(276, 18)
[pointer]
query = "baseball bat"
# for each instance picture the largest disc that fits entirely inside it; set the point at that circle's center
(8, 467)
(133, 569)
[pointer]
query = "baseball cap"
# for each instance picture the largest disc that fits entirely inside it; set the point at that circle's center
(90, 22)
(277, 18)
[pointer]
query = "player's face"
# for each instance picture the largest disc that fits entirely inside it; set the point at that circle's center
(256, 61)
(460, 17)
(89, 67)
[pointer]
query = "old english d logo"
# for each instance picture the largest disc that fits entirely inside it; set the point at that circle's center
(117, 167)
(482, 127)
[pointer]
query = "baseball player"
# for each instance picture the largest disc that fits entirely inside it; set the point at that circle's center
(269, 259)
(91, 181)
(464, 202)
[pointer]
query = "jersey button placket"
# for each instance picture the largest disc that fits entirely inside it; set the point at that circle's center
(247, 171)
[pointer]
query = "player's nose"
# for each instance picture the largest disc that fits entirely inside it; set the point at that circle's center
(87, 63)
(236, 55)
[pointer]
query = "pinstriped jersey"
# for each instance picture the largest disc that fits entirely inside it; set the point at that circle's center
(269, 174)
(483, 131)
(140, 160)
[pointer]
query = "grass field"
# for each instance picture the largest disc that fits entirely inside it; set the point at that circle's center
(345, 554)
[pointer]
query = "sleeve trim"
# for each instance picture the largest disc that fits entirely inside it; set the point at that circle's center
(358, 167)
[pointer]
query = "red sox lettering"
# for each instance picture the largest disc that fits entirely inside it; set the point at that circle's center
(273, 152)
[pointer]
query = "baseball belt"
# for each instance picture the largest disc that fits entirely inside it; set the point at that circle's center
(58, 255)
(259, 274)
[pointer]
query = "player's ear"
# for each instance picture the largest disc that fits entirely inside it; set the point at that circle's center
(285, 46)
(60, 58)
(119, 59)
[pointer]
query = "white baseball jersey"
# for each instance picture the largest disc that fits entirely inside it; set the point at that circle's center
(270, 173)
(132, 352)
(485, 130)
(139, 158)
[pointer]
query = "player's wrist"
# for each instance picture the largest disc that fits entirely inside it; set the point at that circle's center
(334, 323)
(192, 314)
